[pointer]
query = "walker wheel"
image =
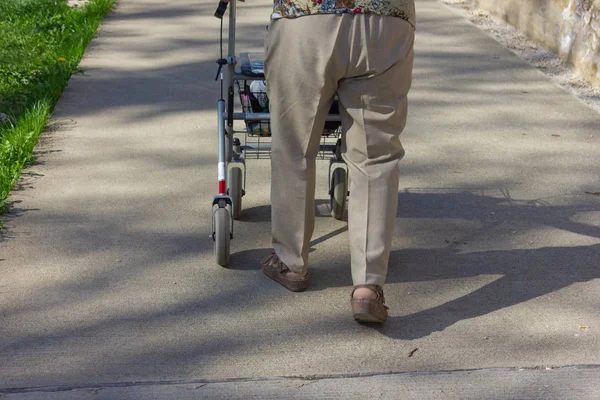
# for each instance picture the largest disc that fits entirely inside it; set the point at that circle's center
(236, 191)
(222, 218)
(338, 193)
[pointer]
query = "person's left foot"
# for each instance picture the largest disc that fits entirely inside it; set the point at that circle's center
(275, 269)
(368, 304)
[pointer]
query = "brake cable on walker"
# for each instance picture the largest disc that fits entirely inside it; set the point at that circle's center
(221, 61)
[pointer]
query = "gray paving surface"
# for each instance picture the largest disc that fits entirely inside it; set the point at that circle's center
(562, 384)
(107, 273)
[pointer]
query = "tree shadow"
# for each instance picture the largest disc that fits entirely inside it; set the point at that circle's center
(526, 271)
(525, 275)
(520, 274)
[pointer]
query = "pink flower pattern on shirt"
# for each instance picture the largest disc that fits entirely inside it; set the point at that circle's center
(404, 9)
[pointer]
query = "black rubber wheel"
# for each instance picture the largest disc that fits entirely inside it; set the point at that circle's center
(339, 191)
(236, 182)
(222, 236)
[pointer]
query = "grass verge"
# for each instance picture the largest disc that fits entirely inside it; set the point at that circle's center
(41, 45)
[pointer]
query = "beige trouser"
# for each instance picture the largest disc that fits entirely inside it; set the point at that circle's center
(367, 60)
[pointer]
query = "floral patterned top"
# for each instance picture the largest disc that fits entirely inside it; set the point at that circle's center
(404, 9)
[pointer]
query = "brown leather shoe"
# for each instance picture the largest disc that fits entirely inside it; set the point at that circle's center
(369, 310)
(275, 269)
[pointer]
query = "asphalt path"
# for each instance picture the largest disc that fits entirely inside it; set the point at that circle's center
(107, 274)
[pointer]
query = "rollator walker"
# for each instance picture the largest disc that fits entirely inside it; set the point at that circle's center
(254, 141)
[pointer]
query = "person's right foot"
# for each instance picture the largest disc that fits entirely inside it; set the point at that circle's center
(276, 269)
(368, 304)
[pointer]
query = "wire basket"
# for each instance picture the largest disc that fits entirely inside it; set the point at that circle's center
(253, 96)
(254, 99)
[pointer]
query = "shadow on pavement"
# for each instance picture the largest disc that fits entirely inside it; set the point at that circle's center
(521, 270)
(525, 273)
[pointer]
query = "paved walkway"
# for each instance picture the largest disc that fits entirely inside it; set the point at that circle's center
(107, 275)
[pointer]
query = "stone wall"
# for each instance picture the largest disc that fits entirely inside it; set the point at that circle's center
(569, 27)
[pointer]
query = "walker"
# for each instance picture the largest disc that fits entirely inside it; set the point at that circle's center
(249, 83)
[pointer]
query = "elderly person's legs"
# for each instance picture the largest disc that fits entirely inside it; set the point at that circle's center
(367, 59)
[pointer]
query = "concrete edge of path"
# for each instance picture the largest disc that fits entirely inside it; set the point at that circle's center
(579, 381)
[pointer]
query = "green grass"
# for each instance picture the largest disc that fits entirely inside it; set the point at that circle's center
(41, 44)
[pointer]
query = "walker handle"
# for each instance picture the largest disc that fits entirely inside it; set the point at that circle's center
(221, 9)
